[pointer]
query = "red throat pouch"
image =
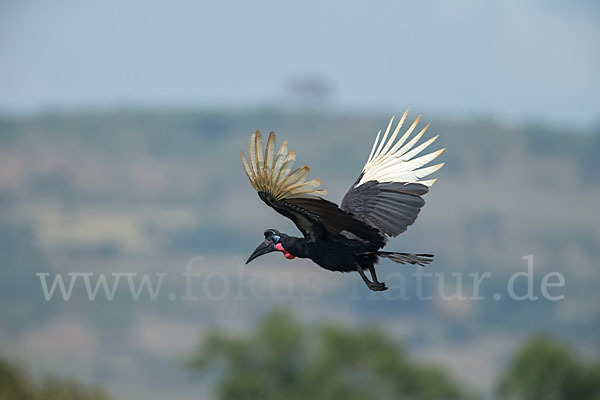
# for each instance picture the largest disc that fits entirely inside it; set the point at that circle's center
(286, 254)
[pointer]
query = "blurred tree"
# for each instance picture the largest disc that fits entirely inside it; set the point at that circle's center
(547, 370)
(15, 384)
(310, 89)
(282, 360)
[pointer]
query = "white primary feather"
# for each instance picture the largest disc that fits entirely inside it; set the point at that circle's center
(393, 162)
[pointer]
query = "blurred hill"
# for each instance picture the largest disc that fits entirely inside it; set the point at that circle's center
(145, 191)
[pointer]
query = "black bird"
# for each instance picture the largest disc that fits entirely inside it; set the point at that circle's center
(385, 199)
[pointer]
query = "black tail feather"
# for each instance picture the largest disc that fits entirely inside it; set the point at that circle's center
(407, 258)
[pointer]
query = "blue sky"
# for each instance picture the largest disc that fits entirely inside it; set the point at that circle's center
(535, 60)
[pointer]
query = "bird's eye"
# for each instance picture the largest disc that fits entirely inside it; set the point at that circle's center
(269, 232)
(275, 238)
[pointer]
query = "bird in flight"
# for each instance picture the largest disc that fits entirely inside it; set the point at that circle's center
(385, 199)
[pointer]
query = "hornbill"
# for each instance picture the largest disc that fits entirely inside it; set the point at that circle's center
(385, 199)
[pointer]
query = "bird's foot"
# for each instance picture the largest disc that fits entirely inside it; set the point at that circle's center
(377, 286)
(374, 285)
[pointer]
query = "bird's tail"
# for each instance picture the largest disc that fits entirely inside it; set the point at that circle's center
(404, 258)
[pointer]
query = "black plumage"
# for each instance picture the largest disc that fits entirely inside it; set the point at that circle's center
(348, 237)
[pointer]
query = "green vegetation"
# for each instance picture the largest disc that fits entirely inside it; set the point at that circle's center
(545, 369)
(283, 360)
(16, 384)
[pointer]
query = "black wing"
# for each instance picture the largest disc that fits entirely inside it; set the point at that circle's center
(291, 195)
(318, 218)
(390, 207)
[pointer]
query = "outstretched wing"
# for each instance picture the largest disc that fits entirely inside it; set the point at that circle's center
(288, 193)
(388, 193)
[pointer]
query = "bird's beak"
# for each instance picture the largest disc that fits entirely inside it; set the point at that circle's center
(262, 249)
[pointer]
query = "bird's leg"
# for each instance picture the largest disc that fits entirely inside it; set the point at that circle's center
(374, 276)
(364, 277)
(376, 287)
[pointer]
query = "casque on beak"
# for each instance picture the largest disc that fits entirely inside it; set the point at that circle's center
(265, 247)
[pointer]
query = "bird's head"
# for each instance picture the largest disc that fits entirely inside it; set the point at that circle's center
(274, 241)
